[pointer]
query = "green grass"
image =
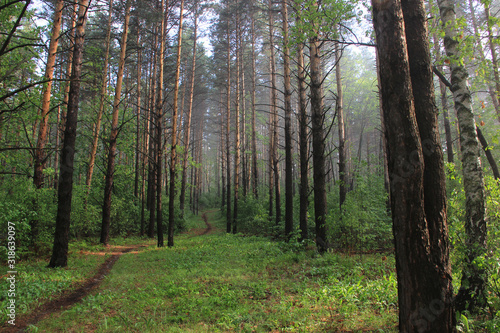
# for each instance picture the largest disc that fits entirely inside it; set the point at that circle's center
(231, 283)
(37, 284)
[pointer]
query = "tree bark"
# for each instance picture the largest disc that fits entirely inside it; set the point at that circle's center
(108, 183)
(173, 151)
(318, 144)
(419, 58)
(303, 144)
(187, 123)
(487, 152)
(237, 143)
(343, 183)
(472, 293)
(65, 190)
(104, 86)
(288, 125)
(421, 295)
(228, 131)
(274, 120)
(255, 171)
(159, 123)
(40, 156)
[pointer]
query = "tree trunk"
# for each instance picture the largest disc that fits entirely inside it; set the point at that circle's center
(318, 144)
(494, 59)
(343, 183)
(472, 292)
(40, 156)
(434, 175)
(108, 183)
(255, 171)
(159, 122)
(103, 96)
(488, 153)
(288, 125)
(237, 152)
(274, 120)
(65, 190)
(138, 153)
(228, 131)
(422, 299)
(173, 151)
(303, 143)
(187, 123)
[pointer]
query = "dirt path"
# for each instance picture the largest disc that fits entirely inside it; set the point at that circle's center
(68, 298)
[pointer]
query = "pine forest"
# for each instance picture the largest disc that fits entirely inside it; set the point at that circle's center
(250, 166)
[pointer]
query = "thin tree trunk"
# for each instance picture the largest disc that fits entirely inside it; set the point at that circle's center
(255, 171)
(488, 153)
(472, 292)
(237, 152)
(65, 190)
(304, 144)
(343, 183)
(288, 125)
(274, 120)
(138, 155)
(102, 101)
(494, 58)
(173, 151)
(40, 156)
(108, 183)
(159, 121)
(187, 123)
(228, 131)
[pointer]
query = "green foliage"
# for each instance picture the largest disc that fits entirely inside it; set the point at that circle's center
(222, 282)
(490, 262)
(24, 206)
(364, 222)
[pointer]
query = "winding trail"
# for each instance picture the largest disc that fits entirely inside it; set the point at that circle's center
(69, 297)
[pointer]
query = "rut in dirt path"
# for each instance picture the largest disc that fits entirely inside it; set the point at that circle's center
(68, 298)
(209, 226)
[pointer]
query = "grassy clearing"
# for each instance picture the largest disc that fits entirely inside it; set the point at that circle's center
(230, 283)
(37, 284)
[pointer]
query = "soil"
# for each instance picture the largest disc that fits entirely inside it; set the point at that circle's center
(71, 297)
(68, 298)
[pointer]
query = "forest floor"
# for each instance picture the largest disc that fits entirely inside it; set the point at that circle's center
(208, 282)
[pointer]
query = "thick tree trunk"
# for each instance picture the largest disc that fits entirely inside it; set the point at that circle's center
(426, 112)
(108, 183)
(288, 125)
(65, 190)
(472, 292)
(422, 299)
(40, 156)
(318, 145)
(173, 151)
(103, 95)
